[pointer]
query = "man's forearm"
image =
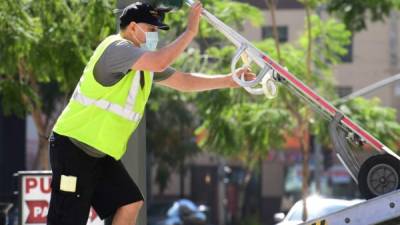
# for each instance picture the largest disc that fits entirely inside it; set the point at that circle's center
(171, 52)
(195, 82)
(191, 82)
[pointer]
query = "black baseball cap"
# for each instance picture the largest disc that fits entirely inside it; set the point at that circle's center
(141, 12)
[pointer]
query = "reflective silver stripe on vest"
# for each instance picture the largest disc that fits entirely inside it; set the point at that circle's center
(130, 102)
(123, 111)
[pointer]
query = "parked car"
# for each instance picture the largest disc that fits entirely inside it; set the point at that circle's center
(180, 212)
(316, 207)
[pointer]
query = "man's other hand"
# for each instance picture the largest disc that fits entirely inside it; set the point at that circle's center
(246, 72)
(194, 18)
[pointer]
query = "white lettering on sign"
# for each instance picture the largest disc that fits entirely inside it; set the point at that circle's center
(39, 211)
(35, 194)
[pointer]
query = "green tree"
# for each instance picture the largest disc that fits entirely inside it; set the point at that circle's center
(246, 127)
(331, 36)
(355, 14)
(272, 9)
(380, 121)
(170, 126)
(230, 12)
(44, 47)
(329, 40)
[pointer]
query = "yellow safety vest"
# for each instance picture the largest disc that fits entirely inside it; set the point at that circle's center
(105, 117)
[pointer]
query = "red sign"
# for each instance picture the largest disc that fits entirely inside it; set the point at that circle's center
(37, 211)
(35, 190)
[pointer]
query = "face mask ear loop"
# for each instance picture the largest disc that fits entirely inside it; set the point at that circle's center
(137, 38)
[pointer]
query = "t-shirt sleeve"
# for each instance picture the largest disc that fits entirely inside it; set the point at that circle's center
(160, 76)
(116, 61)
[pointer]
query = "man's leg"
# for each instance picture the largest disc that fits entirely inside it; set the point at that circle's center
(127, 214)
(72, 183)
(116, 194)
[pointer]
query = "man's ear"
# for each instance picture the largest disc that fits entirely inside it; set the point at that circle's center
(132, 26)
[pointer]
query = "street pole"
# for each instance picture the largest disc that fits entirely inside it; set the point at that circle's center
(221, 191)
(393, 46)
(316, 144)
(370, 88)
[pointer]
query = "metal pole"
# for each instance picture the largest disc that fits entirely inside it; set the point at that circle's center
(221, 191)
(393, 42)
(317, 146)
(370, 88)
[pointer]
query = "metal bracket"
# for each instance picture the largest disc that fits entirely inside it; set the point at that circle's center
(342, 147)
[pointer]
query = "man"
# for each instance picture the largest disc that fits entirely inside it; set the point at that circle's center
(90, 136)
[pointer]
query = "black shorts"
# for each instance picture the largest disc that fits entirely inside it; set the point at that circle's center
(102, 183)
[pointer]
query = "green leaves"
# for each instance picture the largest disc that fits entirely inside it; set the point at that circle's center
(170, 127)
(167, 3)
(332, 37)
(312, 3)
(11, 94)
(378, 120)
(356, 13)
(232, 13)
(245, 127)
(217, 113)
(48, 41)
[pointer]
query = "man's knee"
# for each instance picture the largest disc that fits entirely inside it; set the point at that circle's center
(139, 204)
(133, 207)
(127, 214)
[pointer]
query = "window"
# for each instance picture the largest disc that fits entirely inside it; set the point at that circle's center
(348, 58)
(267, 32)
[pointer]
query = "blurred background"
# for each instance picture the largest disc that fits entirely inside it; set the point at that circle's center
(218, 157)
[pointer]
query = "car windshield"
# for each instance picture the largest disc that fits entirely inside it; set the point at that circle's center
(315, 211)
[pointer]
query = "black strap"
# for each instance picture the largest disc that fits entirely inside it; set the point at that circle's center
(141, 78)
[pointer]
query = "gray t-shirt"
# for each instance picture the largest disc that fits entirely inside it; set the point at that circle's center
(112, 66)
(118, 59)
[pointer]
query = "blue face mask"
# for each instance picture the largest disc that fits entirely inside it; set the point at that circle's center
(151, 40)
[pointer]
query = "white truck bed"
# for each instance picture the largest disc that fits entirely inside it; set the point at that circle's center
(382, 210)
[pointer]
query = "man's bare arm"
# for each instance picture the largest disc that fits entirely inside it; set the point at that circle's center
(195, 82)
(159, 60)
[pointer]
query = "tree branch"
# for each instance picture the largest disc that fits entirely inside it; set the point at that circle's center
(272, 8)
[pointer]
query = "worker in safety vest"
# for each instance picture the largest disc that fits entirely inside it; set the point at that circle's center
(91, 135)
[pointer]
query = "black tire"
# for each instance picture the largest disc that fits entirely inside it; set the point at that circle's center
(379, 174)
